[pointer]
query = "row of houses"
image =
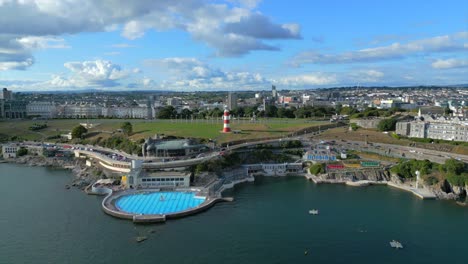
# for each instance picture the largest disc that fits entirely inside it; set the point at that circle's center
(429, 126)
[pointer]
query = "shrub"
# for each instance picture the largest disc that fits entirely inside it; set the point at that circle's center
(317, 168)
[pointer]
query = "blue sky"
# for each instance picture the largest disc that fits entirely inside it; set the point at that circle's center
(191, 45)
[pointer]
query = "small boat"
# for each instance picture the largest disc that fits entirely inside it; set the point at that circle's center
(141, 239)
(396, 244)
(314, 212)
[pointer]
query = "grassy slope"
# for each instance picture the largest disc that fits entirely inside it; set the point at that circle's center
(376, 136)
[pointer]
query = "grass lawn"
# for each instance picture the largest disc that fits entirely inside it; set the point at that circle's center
(145, 128)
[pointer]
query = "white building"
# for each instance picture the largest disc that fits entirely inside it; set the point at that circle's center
(163, 179)
(9, 151)
(455, 129)
(42, 109)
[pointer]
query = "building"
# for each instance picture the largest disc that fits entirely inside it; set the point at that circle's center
(9, 150)
(274, 93)
(320, 153)
(232, 101)
(6, 95)
(274, 169)
(455, 129)
(154, 147)
(41, 109)
(79, 111)
(173, 101)
(158, 179)
(147, 178)
(13, 109)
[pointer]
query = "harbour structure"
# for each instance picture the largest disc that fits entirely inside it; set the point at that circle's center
(226, 121)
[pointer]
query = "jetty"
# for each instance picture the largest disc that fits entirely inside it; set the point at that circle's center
(419, 192)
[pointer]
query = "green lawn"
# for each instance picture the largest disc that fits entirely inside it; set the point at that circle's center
(145, 128)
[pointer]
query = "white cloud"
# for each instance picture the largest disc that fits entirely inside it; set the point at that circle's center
(98, 74)
(35, 42)
(450, 63)
(192, 74)
(16, 53)
(365, 76)
(305, 80)
(34, 24)
(447, 43)
(16, 65)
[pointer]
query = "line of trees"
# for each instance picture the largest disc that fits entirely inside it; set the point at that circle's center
(455, 171)
(169, 112)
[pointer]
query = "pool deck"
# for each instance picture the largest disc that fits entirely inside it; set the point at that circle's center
(109, 207)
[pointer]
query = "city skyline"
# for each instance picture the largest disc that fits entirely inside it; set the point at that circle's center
(230, 45)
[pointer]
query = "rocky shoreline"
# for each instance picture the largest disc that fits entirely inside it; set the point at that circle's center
(82, 175)
(442, 191)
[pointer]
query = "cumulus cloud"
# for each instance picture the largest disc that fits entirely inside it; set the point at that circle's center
(450, 63)
(223, 25)
(97, 73)
(448, 43)
(193, 74)
(189, 68)
(231, 31)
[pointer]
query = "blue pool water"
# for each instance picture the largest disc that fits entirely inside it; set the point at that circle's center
(158, 202)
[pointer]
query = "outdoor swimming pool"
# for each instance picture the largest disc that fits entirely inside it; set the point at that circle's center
(158, 202)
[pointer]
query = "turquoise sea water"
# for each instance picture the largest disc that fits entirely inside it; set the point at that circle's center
(42, 222)
(158, 202)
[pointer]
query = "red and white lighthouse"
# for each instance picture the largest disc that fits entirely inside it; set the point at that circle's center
(226, 118)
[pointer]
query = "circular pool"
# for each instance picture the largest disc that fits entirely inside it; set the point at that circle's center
(161, 203)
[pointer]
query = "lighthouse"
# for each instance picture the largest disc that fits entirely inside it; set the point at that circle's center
(226, 118)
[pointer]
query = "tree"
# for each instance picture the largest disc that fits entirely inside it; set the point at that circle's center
(338, 108)
(387, 124)
(22, 151)
(186, 113)
(79, 131)
(454, 166)
(447, 111)
(271, 111)
(167, 112)
(127, 128)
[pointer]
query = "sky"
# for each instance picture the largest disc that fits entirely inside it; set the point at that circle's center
(197, 45)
